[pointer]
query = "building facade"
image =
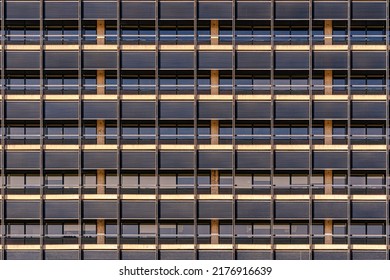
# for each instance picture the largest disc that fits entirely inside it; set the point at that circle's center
(194, 129)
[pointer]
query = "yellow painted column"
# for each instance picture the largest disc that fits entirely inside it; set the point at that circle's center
(100, 31)
(328, 131)
(100, 131)
(214, 129)
(214, 31)
(100, 227)
(328, 29)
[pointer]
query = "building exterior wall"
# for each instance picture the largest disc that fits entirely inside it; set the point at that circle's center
(194, 129)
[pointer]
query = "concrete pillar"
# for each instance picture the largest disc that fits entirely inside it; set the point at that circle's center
(328, 32)
(214, 129)
(328, 82)
(328, 131)
(328, 231)
(100, 31)
(100, 230)
(100, 131)
(214, 31)
(214, 231)
(100, 82)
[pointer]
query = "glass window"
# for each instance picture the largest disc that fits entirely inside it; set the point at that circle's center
(203, 179)
(375, 229)
(186, 229)
(32, 180)
(147, 180)
(54, 180)
(168, 181)
(185, 179)
(357, 180)
(317, 229)
(71, 180)
(281, 180)
(203, 229)
(339, 179)
(129, 180)
(16, 180)
(225, 179)
(317, 179)
(243, 181)
(261, 180)
(299, 180)
(147, 229)
(71, 229)
(282, 229)
(261, 229)
(358, 130)
(129, 229)
(372, 130)
(245, 229)
(54, 229)
(339, 130)
(339, 229)
(167, 229)
(111, 180)
(375, 179)
(16, 229)
(225, 229)
(111, 229)
(299, 229)
(358, 229)
(89, 229)
(89, 179)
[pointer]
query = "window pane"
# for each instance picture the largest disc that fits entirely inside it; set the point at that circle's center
(54, 179)
(375, 179)
(281, 180)
(185, 229)
(147, 229)
(204, 229)
(261, 180)
(32, 180)
(375, 229)
(147, 180)
(54, 229)
(71, 229)
(243, 229)
(168, 181)
(130, 229)
(16, 180)
(243, 181)
(261, 229)
(225, 229)
(299, 229)
(358, 229)
(168, 229)
(71, 180)
(317, 229)
(340, 229)
(357, 180)
(282, 229)
(129, 180)
(299, 180)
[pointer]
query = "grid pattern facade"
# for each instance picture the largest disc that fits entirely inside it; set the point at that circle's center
(194, 129)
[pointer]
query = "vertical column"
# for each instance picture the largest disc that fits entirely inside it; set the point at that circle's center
(100, 131)
(328, 131)
(214, 130)
(214, 31)
(328, 32)
(100, 31)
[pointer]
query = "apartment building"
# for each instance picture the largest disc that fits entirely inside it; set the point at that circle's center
(201, 129)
